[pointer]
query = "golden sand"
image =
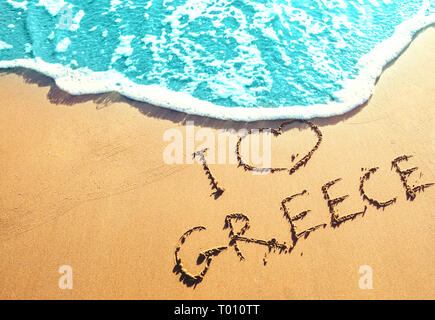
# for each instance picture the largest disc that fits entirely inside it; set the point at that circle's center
(83, 183)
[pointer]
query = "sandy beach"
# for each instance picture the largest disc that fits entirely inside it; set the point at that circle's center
(84, 184)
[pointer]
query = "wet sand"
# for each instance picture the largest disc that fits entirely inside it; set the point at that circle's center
(83, 183)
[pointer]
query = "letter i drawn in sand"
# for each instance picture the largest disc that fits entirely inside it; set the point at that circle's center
(217, 191)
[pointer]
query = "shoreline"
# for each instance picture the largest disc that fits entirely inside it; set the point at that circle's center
(58, 95)
(84, 184)
(355, 92)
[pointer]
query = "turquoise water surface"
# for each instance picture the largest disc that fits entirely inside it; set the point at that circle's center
(231, 59)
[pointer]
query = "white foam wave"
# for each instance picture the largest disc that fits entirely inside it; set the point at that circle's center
(355, 92)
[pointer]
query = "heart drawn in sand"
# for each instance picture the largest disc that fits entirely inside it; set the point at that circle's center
(276, 133)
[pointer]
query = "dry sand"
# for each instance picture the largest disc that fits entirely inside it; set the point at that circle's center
(83, 183)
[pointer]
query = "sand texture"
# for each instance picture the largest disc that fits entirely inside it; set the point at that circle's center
(83, 183)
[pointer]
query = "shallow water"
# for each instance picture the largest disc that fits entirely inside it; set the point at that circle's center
(244, 60)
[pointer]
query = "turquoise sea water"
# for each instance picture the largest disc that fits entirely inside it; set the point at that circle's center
(238, 59)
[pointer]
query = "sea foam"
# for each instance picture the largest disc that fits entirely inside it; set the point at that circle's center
(238, 87)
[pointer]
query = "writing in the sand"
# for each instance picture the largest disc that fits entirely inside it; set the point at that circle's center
(235, 236)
